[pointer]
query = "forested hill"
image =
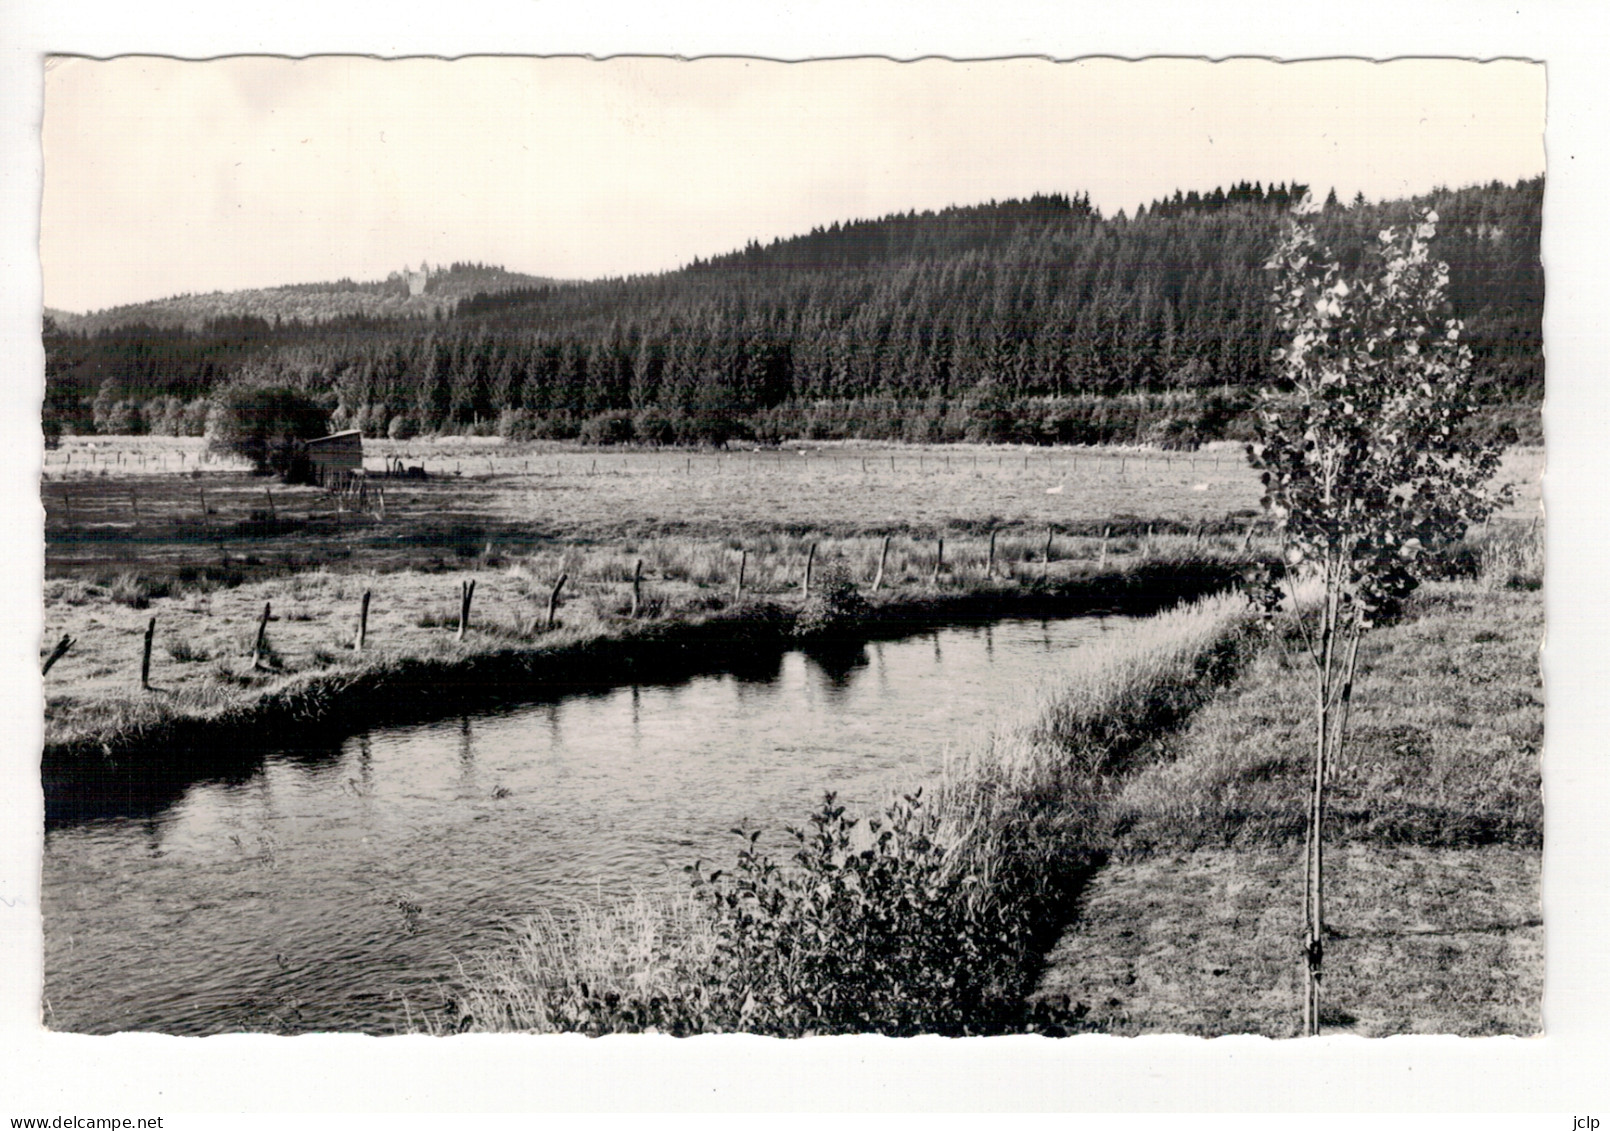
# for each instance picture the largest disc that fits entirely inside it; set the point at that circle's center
(432, 293)
(912, 236)
(953, 231)
(1033, 320)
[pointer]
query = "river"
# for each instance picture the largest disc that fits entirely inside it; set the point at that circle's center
(323, 889)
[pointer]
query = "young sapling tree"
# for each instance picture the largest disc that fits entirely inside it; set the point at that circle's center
(1367, 469)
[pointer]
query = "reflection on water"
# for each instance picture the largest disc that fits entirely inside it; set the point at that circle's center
(328, 885)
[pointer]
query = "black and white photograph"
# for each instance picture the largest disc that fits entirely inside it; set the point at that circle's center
(657, 550)
(557, 545)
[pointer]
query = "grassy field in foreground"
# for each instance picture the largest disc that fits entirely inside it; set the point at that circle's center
(1433, 845)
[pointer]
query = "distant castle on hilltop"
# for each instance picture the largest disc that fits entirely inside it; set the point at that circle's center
(417, 279)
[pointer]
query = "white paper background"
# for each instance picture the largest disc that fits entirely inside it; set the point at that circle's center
(132, 1075)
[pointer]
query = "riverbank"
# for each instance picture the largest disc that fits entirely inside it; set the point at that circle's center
(1433, 845)
(207, 711)
(927, 917)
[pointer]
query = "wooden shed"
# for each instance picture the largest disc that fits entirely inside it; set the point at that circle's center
(337, 458)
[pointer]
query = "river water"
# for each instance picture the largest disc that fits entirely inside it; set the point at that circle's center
(325, 888)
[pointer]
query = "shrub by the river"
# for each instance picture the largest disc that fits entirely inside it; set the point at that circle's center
(834, 603)
(871, 933)
(866, 928)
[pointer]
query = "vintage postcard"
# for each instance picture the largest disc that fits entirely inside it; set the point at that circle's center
(671, 547)
(474, 489)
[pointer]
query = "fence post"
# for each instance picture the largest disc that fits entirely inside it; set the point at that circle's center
(257, 647)
(1046, 565)
(145, 656)
(466, 593)
(989, 568)
(743, 564)
(883, 559)
(363, 623)
(56, 653)
(810, 565)
(637, 590)
(1106, 532)
(202, 496)
(553, 599)
(939, 561)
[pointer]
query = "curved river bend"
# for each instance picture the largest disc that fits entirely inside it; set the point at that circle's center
(330, 886)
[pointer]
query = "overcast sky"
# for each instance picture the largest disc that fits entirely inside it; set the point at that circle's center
(163, 177)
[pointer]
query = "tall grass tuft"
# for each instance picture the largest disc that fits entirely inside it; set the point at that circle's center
(135, 591)
(1512, 558)
(1026, 812)
(633, 966)
(183, 651)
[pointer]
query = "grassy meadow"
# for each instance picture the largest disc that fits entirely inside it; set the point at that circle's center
(1434, 837)
(148, 527)
(157, 502)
